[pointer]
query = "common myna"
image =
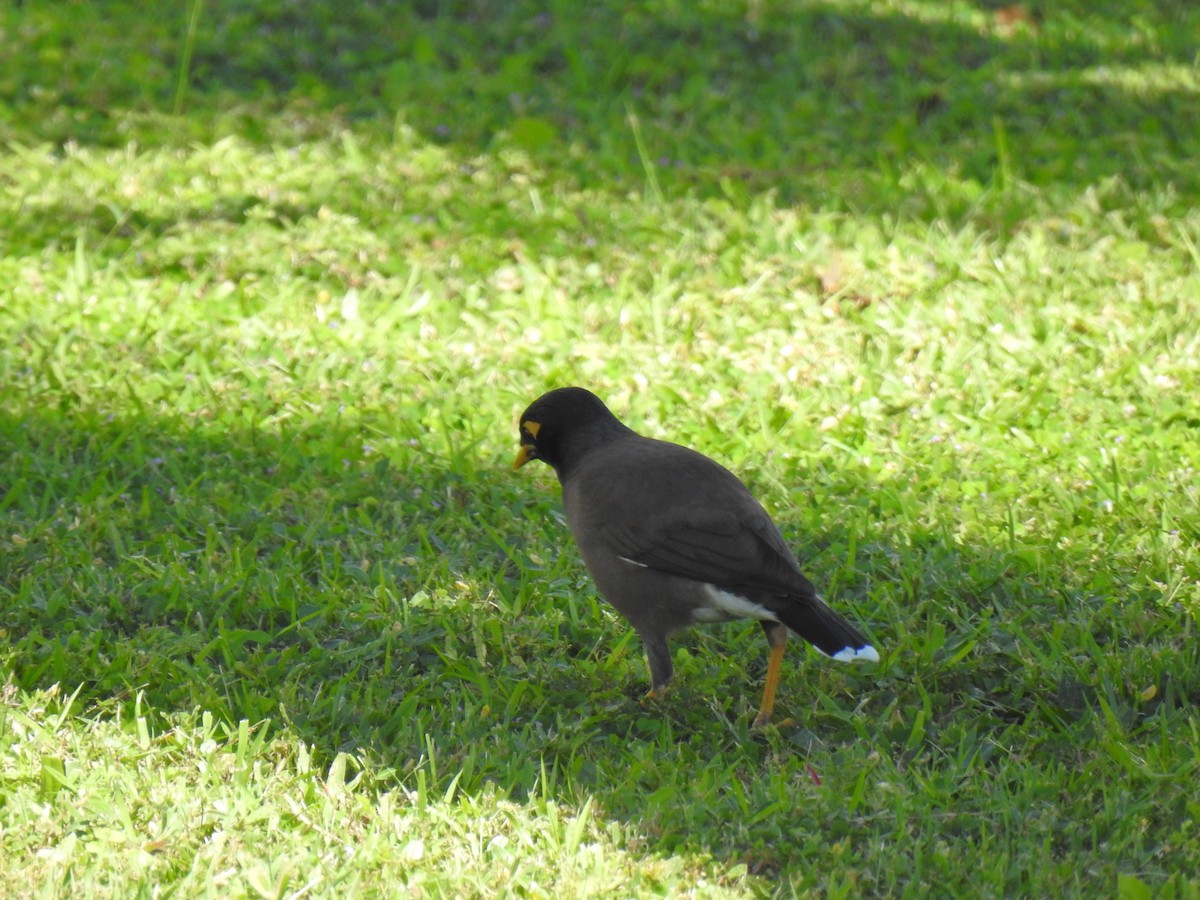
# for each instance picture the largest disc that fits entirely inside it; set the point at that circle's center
(673, 539)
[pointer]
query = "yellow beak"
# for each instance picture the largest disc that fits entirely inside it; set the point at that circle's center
(524, 455)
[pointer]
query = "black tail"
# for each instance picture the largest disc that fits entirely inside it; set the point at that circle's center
(814, 621)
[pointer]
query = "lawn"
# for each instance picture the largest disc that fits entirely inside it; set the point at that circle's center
(276, 616)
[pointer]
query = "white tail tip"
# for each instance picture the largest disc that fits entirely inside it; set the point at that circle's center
(862, 654)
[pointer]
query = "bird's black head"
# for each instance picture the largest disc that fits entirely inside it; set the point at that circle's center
(561, 426)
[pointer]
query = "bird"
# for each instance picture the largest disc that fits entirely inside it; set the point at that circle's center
(673, 539)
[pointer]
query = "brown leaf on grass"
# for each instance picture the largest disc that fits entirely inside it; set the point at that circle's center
(1009, 19)
(835, 291)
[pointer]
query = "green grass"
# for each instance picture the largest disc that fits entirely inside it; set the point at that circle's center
(277, 618)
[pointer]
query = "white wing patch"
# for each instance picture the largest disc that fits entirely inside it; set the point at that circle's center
(728, 606)
(633, 562)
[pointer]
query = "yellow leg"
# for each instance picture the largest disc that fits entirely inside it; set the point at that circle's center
(768, 701)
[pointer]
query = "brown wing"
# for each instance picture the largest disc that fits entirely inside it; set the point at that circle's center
(721, 550)
(673, 510)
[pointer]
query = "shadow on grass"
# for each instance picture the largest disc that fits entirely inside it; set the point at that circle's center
(822, 102)
(427, 615)
(241, 572)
